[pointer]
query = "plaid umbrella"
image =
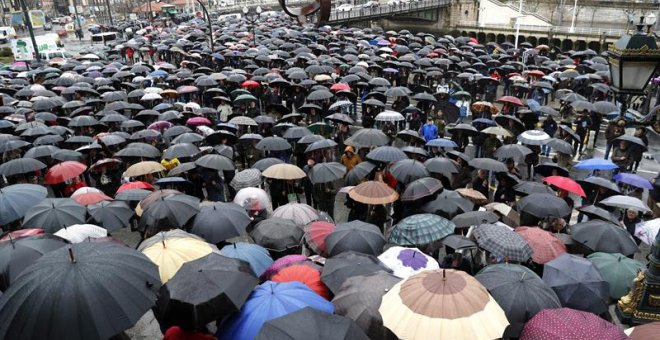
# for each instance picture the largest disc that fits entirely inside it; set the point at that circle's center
(246, 178)
(501, 241)
(567, 323)
(546, 246)
(420, 229)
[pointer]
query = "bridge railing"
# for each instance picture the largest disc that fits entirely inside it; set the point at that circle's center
(541, 28)
(385, 10)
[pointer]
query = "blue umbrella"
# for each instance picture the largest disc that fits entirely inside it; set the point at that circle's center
(441, 143)
(596, 164)
(268, 301)
(634, 180)
(159, 74)
(15, 200)
(256, 255)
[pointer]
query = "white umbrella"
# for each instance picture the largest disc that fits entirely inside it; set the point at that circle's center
(647, 231)
(85, 190)
(246, 197)
(151, 96)
(406, 262)
(299, 213)
(389, 116)
(80, 232)
(625, 202)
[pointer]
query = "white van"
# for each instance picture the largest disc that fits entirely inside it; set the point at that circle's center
(51, 55)
(7, 33)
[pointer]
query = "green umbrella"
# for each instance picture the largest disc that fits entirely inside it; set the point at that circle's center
(461, 94)
(420, 229)
(618, 270)
(244, 98)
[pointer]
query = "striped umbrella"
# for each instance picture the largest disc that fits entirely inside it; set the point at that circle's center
(420, 229)
(534, 137)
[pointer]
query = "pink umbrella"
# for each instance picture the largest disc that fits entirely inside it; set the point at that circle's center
(160, 125)
(566, 323)
(197, 121)
(281, 263)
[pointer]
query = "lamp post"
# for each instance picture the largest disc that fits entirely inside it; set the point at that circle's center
(208, 20)
(28, 22)
(252, 18)
(633, 60)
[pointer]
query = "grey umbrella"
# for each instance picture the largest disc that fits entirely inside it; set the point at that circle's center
(348, 264)
(358, 173)
(515, 151)
(320, 95)
(266, 163)
(604, 107)
(320, 145)
(528, 188)
(519, 292)
(420, 188)
(181, 150)
(487, 164)
(326, 172)
(18, 254)
(246, 179)
(386, 154)
(309, 323)
(356, 236)
(544, 205)
(52, 214)
(134, 195)
(41, 151)
(581, 105)
(603, 236)
(171, 211)
(277, 234)
(625, 202)
(443, 166)
(368, 137)
(296, 132)
(111, 279)
(501, 241)
(560, 146)
(111, 215)
(408, 170)
(20, 166)
(359, 299)
(578, 283)
(473, 218)
(138, 149)
(17, 199)
(273, 144)
(220, 221)
(594, 212)
(216, 162)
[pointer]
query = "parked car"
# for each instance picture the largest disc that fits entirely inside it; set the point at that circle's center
(345, 8)
(370, 4)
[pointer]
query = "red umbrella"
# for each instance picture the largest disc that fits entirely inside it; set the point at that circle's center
(536, 73)
(197, 121)
(307, 275)
(340, 87)
(90, 198)
(135, 185)
(64, 171)
(315, 234)
(510, 100)
(12, 235)
(281, 263)
(250, 84)
(432, 55)
(566, 323)
(566, 184)
(546, 246)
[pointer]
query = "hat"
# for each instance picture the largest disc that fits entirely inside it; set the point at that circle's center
(349, 149)
(621, 122)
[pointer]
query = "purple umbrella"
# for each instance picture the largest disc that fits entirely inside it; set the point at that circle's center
(390, 70)
(281, 263)
(160, 125)
(412, 259)
(634, 180)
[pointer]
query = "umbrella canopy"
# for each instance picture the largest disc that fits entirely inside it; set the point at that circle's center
(277, 234)
(625, 202)
(578, 283)
(501, 241)
(355, 236)
(448, 204)
(368, 137)
(81, 232)
(373, 192)
(303, 273)
(567, 323)
(315, 234)
(533, 137)
(647, 231)
(420, 229)
(634, 180)
(246, 178)
(420, 188)
(488, 164)
(443, 166)
(17, 199)
(111, 215)
(309, 323)
(596, 164)
(603, 236)
(545, 245)
(515, 151)
(19, 252)
(64, 171)
(405, 262)
(256, 255)
(474, 218)
(299, 213)
(168, 211)
(215, 162)
(169, 250)
(544, 206)
(205, 290)
(52, 214)
(282, 299)
(618, 270)
(273, 144)
(220, 221)
(349, 264)
(565, 183)
(386, 154)
(469, 311)
(120, 281)
(408, 170)
(283, 171)
(143, 168)
(519, 292)
(20, 166)
(326, 172)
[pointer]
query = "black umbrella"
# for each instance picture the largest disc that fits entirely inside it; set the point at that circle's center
(358, 173)
(111, 279)
(273, 144)
(368, 137)
(544, 206)
(20, 166)
(488, 164)
(473, 218)
(138, 149)
(443, 166)
(308, 323)
(181, 150)
(408, 170)
(570, 131)
(550, 169)
(594, 212)
(420, 188)
(603, 236)
(266, 163)
(19, 253)
(632, 139)
(519, 291)
(466, 129)
(528, 188)
(111, 215)
(340, 118)
(53, 214)
(458, 241)
(215, 162)
(515, 151)
(450, 111)
(386, 154)
(594, 183)
(349, 264)
(220, 221)
(205, 290)
(355, 236)
(326, 172)
(166, 212)
(561, 146)
(448, 204)
(277, 234)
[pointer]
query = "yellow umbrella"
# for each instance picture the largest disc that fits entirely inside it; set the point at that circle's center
(284, 171)
(442, 304)
(497, 130)
(169, 250)
(143, 168)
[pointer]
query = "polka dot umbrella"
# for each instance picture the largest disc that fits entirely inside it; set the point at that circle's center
(566, 323)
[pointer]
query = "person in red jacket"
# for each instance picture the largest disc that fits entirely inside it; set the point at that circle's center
(178, 333)
(76, 184)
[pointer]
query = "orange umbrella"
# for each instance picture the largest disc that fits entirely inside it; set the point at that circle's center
(64, 171)
(373, 192)
(546, 246)
(307, 275)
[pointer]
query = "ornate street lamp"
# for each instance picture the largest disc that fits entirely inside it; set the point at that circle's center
(252, 15)
(633, 60)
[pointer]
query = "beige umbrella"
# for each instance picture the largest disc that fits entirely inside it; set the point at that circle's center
(143, 168)
(284, 171)
(442, 304)
(497, 130)
(473, 195)
(373, 192)
(509, 215)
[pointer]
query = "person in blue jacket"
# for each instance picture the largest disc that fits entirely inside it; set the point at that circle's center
(429, 130)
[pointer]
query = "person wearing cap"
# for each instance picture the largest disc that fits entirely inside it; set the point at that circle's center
(614, 130)
(349, 159)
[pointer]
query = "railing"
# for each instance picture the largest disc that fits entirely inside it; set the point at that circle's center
(386, 10)
(540, 28)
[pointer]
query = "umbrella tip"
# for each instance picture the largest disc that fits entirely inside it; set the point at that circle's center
(71, 257)
(444, 275)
